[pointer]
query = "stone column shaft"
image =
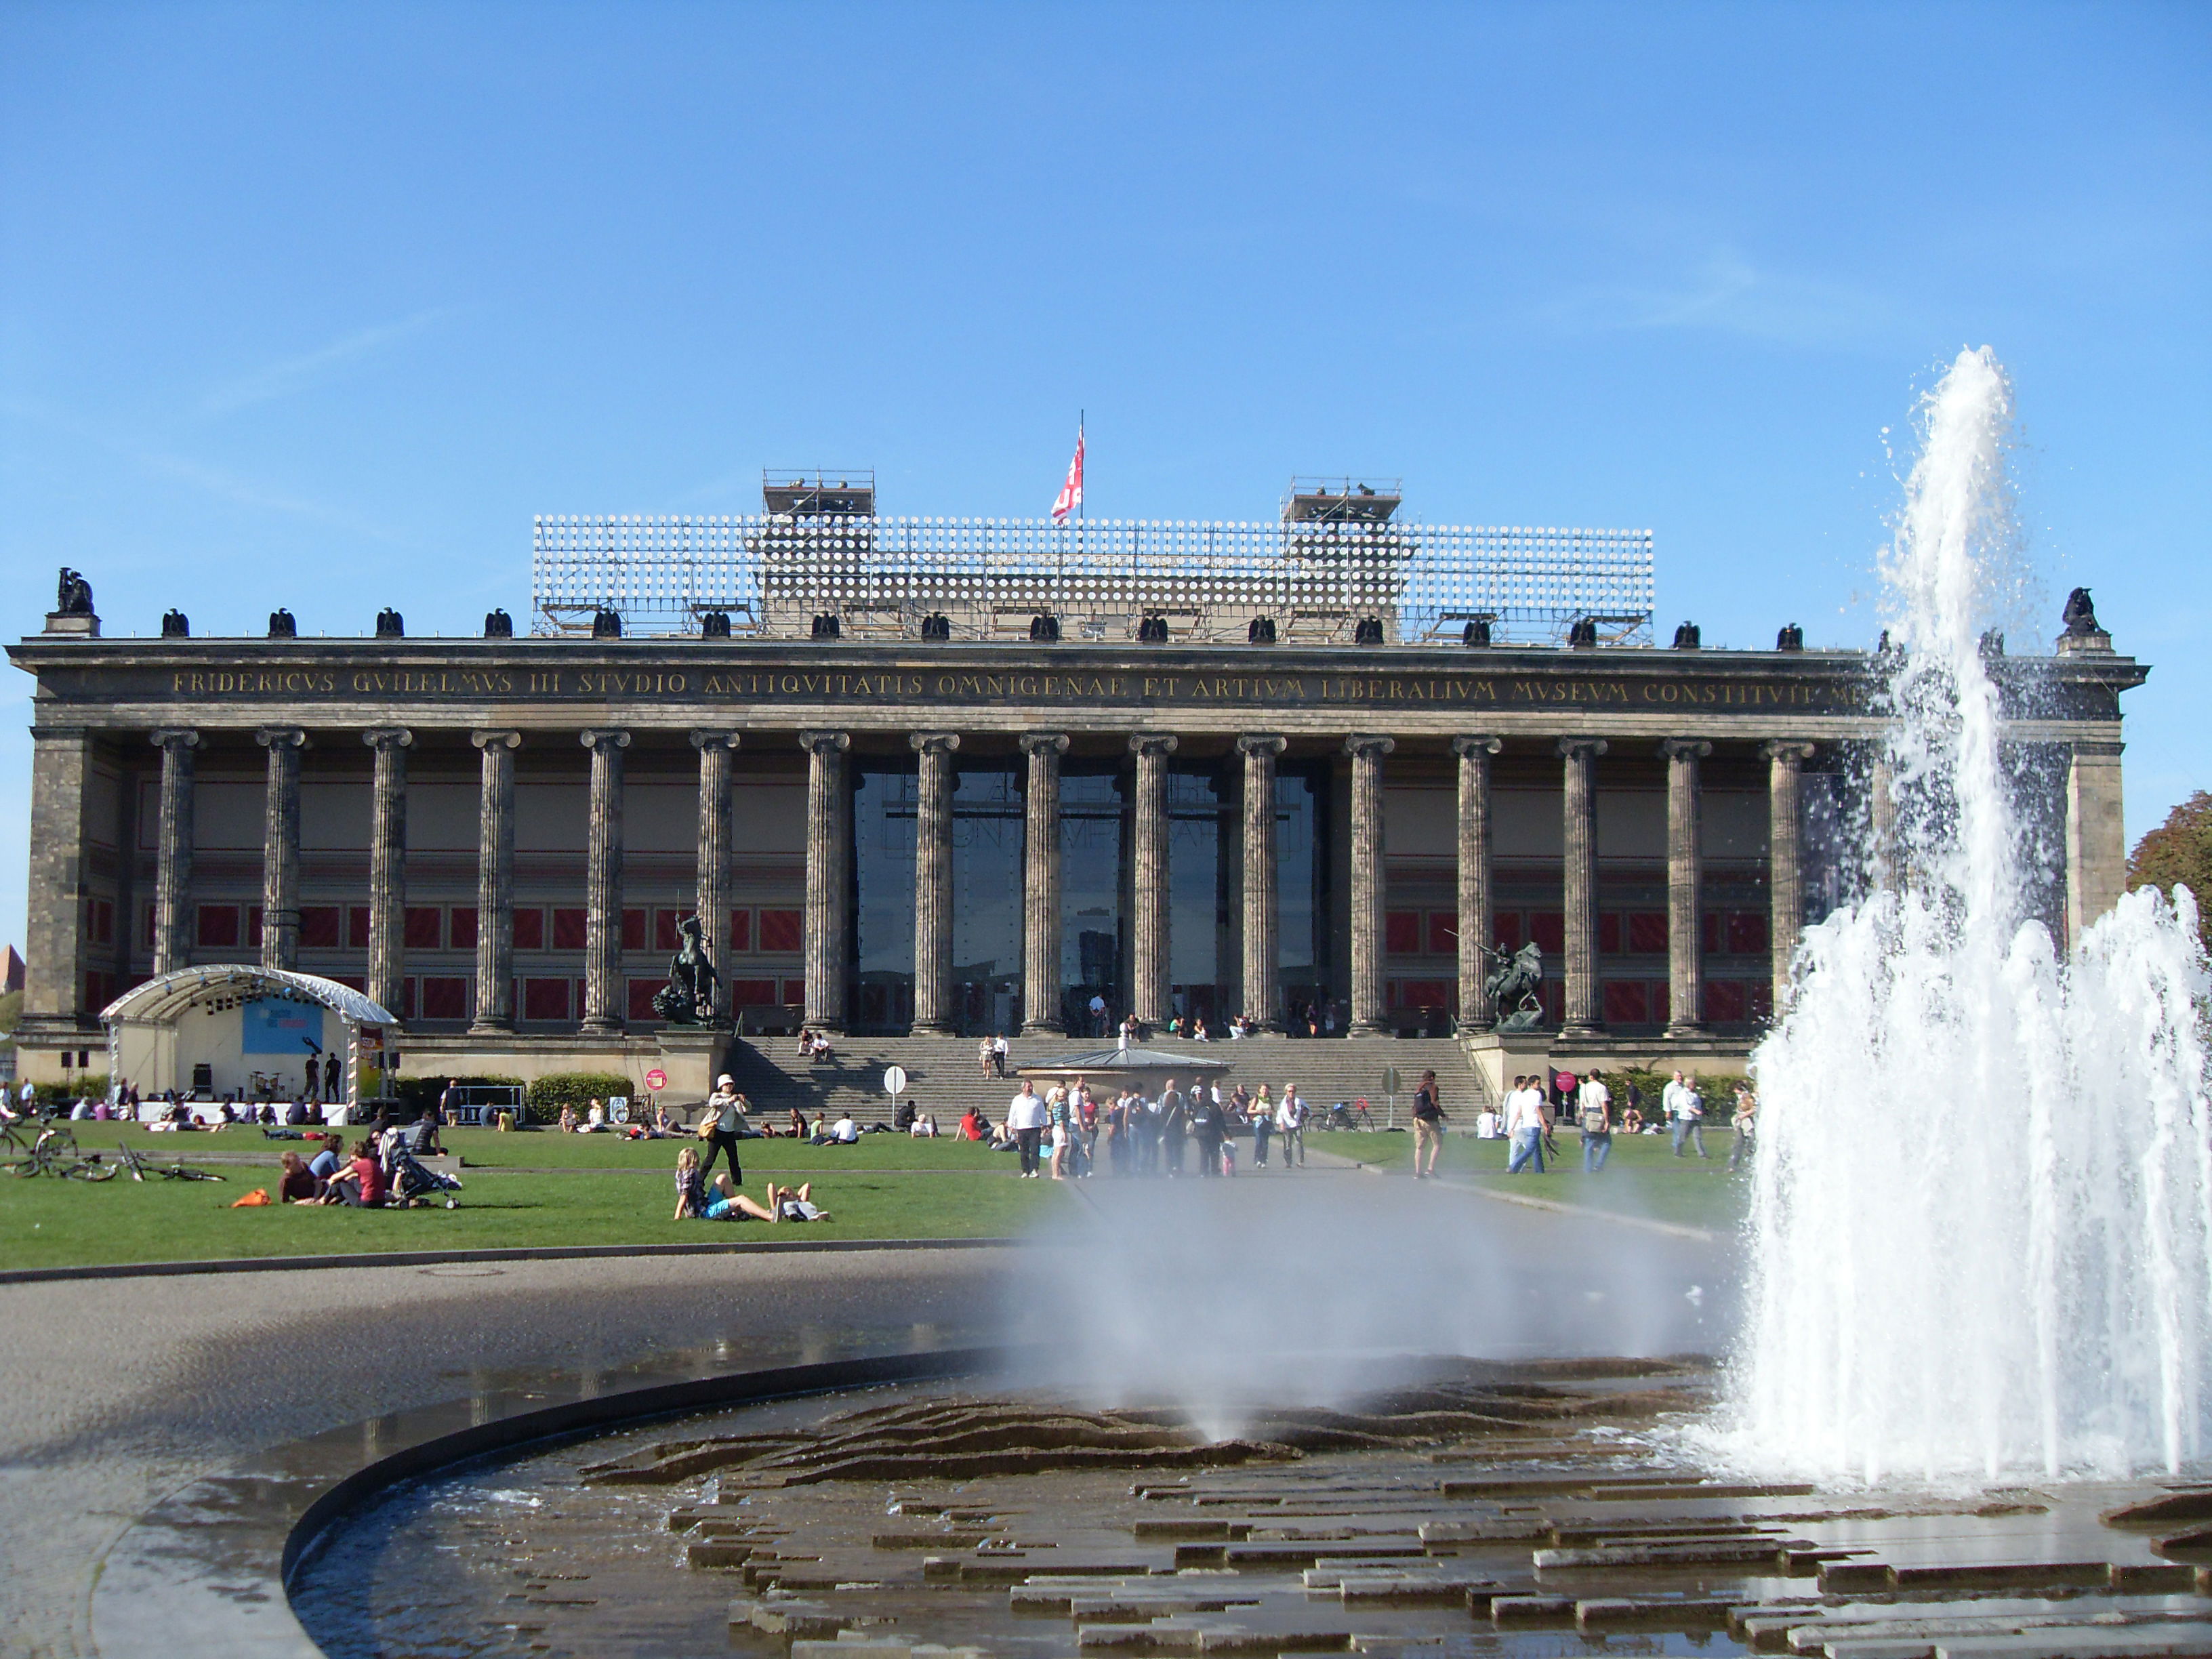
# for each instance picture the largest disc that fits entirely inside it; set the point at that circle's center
(1040, 925)
(1262, 937)
(1685, 876)
(1476, 906)
(494, 1011)
(2096, 837)
(827, 839)
(280, 847)
(1151, 996)
(173, 852)
(1367, 883)
(1882, 814)
(933, 883)
(387, 866)
(55, 934)
(1785, 859)
(711, 904)
(606, 1007)
(1583, 1016)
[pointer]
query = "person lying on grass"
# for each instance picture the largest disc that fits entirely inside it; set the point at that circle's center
(722, 1202)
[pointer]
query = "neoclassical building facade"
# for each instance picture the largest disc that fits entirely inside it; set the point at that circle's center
(497, 839)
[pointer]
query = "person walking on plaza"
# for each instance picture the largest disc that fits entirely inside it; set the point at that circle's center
(1175, 1128)
(1684, 1113)
(1025, 1118)
(1208, 1126)
(1428, 1128)
(1745, 1123)
(1594, 1112)
(1059, 1117)
(1291, 1125)
(1524, 1126)
(1260, 1115)
(725, 1111)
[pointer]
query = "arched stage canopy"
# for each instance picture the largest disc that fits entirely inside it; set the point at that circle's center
(170, 994)
(261, 1033)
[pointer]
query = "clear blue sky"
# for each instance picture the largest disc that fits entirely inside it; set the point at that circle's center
(317, 304)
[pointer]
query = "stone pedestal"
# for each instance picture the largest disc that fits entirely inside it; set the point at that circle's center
(1499, 1057)
(693, 1056)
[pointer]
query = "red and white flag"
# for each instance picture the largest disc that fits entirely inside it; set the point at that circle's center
(1071, 493)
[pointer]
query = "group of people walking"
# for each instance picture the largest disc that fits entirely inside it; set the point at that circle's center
(1528, 1116)
(1066, 1129)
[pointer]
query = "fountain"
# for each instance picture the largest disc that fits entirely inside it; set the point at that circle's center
(1981, 1231)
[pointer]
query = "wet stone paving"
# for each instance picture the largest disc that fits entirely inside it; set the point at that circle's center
(1479, 1507)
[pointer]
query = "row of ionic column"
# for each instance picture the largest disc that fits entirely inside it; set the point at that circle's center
(827, 876)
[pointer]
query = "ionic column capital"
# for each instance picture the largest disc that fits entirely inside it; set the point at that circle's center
(817, 742)
(1261, 743)
(1040, 742)
(496, 739)
(1791, 750)
(1470, 748)
(597, 738)
(1572, 747)
(281, 737)
(941, 743)
(174, 737)
(1151, 743)
(1675, 748)
(388, 737)
(716, 740)
(1361, 746)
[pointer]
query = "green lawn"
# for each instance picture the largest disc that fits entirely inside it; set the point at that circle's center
(547, 1149)
(47, 1223)
(1642, 1178)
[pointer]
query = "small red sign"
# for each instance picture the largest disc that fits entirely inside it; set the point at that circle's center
(656, 1079)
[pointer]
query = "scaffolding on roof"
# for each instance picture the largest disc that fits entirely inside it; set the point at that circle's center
(1316, 580)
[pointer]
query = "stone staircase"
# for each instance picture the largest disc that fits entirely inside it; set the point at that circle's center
(943, 1077)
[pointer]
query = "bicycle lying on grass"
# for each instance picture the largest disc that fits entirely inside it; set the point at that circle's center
(55, 1153)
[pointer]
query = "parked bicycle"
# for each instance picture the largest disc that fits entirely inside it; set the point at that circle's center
(1348, 1116)
(130, 1161)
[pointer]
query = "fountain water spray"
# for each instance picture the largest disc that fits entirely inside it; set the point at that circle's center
(1981, 1226)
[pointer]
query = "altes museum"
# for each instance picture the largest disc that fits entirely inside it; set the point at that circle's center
(964, 776)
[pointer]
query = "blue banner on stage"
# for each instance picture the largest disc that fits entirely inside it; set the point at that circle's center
(273, 1026)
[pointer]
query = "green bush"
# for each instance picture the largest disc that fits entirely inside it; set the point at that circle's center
(416, 1093)
(81, 1085)
(548, 1094)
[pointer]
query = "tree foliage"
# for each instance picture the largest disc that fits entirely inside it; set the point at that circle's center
(2179, 852)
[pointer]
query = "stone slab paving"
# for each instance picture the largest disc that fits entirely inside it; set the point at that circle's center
(115, 1392)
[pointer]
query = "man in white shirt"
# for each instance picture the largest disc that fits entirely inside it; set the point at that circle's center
(1684, 1112)
(1593, 1113)
(844, 1130)
(1524, 1126)
(1025, 1117)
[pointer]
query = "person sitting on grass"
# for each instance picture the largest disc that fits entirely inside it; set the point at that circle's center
(924, 1127)
(690, 1191)
(567, 1122)
(298, 1184)
(363, 1185)
(972, 1126)
(325, 1164)
(843, 1132)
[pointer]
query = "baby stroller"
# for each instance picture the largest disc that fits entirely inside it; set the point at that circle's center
(414, 1183)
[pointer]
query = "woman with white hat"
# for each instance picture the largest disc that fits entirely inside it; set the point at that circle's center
(724, 1122)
